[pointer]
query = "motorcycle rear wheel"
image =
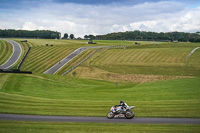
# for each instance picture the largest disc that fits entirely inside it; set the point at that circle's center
(110, 115)
(129, 114)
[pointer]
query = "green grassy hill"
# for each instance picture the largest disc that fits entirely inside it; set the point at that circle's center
(157, 78)
(72, 43)
(44, 94)
(60, 95)
(147, 58)
(6, 50)
(42, 58)
(147, 62)
(161, 61)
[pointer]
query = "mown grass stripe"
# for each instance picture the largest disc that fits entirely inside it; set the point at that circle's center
(128, 59)
(142, 57)
(152, 57)
(8, 48)
(38, 53)
(28, 63)
(2, 46)
(54, 53)
(155, 57)
(146, 58)
(6, 51)
(2, 52)
(41, 62)
(44, 55)
(134, 55)
(38, 56)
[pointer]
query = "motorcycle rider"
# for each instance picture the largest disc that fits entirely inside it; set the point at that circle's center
(122, 104)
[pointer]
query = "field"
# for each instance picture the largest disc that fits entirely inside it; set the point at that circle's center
(42, 57)
(148, 58)
(5, 51)
(53, 95)
(155, 61)
(158, 78)
(50, 127)
(72, 43)
(144, 63)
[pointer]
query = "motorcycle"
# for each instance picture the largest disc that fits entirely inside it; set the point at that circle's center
(118, 111)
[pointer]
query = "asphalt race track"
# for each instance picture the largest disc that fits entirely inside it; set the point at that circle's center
(17, 51)
(67, 59)
(13, 117)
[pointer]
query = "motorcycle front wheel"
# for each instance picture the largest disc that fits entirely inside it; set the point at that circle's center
(110, 115)
(129, 114)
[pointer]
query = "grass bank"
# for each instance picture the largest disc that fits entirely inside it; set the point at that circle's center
(56, 127)
(6, 51)
(60, 95)
(42, 58)
(163, 59)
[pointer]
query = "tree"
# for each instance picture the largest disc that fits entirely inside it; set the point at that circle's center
(91, 36)
(66, 36)
(54, 36)
(79, 38)
(71, 36)
(86, 37)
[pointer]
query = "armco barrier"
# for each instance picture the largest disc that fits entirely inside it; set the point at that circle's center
(23, 58)
(14, 71)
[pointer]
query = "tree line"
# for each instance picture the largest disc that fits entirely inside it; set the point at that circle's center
(148, 36)
(128, 35)
(46, 34)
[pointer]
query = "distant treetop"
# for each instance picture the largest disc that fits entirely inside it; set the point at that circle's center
(46, 34)
(149, 36)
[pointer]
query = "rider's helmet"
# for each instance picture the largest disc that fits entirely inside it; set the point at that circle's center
(121, 102)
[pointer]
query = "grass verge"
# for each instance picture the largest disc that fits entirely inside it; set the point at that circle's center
(6, 50)
(58, 127)
(61, 95)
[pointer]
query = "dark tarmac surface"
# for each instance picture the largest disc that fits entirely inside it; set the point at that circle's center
(14, 57)
(136, 120)
(67, 59)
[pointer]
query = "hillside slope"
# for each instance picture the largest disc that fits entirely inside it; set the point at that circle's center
(148, 59)
(6, 50)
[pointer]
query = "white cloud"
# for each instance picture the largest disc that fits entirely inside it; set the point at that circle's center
(163, 16)
(32, 26)
(115, 26)
(143, 24)
(186, 21)
(189, 20)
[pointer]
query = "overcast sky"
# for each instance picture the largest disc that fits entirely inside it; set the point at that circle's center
(97, 17)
